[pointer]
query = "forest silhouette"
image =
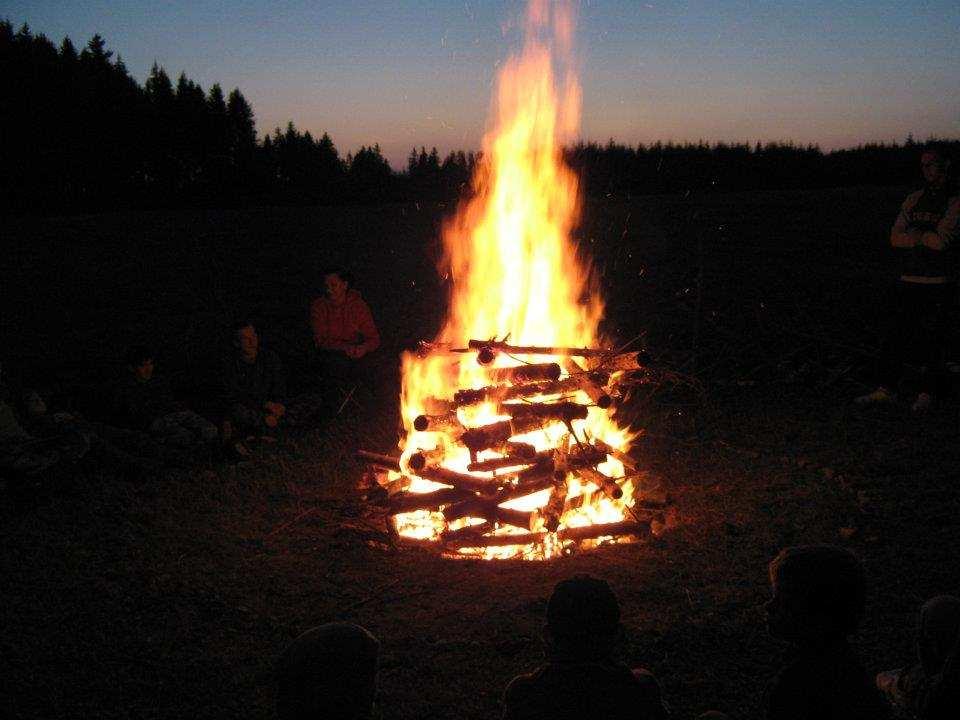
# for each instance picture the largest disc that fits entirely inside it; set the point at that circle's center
(80, 134)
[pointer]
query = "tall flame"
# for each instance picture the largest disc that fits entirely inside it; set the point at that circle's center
(512, 267)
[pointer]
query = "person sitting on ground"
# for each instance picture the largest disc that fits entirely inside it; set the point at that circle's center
(22, 454)
(328, 673)
(343, 327)
(137, 458)
(254, 387)
(930, 688)
(145, 402)
(922, 236)
(27, 454)
(581, 678)
(818, 598)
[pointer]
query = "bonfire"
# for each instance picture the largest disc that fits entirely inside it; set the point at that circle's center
(510, 446)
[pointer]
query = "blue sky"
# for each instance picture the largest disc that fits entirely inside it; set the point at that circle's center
(419, 72)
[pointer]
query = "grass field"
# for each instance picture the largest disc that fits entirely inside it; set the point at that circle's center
(173, 598)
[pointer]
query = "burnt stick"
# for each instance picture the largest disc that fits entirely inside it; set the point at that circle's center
(606, 483)
(387, 462)
(564, 411)
(488, 510)
(525, 373)
(408, 502)
(536, 349)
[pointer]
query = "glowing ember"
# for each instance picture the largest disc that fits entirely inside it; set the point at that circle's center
(515, 275)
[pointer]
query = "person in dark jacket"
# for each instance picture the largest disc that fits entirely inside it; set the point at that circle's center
(923, 237)
(818, 598)
(254, 387)
(131, 453)
(930, 688)
(581, 679)
(143, 401)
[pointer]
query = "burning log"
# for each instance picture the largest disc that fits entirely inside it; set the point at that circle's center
(421, 458)
(408, 502)
(606, 483)
(588, 532)
(473, 540)
(519, 449)
(439, 406)
(563, 411)
(387, 462)
(530, 480)
(534, 349)
(488, 510)
(627, 461)
(461, 481)
(497, 393)
(622, 361)
(497, 463)
(486, 437)
(555, 506)
(525, 373)
(591, 383)
(468, 532)
(437, 423)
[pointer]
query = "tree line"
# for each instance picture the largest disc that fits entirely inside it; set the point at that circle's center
(79, 134)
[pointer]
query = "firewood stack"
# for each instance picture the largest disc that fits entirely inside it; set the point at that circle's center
(489, 502)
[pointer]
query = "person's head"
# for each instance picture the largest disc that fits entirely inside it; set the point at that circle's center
(246, 340)
(139, 361)
(819, 594)
(34, 404)
(583, 618)
(336, 283)
(328, 672)
(935, 165)
(939, 631)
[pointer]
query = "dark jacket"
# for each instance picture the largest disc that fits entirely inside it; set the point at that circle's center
(252, 384)
(581, 690)
(929, 211)
(826, 684)
(137, 404)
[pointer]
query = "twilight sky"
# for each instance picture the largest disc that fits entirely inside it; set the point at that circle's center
(419, 72)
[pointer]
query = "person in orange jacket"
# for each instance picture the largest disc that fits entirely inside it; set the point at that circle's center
(344, 332)
(341, 320)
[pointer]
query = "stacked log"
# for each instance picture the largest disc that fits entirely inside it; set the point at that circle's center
(527, 397)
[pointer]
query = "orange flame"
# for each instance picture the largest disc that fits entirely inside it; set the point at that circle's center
(514, 272)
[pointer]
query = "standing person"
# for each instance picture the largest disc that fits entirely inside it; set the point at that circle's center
(818, 599)
(253, 384)
(343, 327)
(581, 679)
(922, 237)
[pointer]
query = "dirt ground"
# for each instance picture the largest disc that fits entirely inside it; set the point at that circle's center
(173, 597)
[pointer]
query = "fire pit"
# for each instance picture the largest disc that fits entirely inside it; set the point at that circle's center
(511, 448)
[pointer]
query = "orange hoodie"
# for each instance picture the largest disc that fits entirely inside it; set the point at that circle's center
(336, 327)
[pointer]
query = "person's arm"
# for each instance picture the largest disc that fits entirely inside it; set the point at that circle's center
(946, 230)
(901, 236)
